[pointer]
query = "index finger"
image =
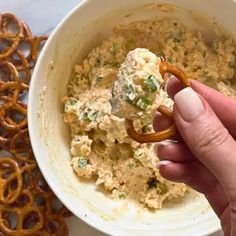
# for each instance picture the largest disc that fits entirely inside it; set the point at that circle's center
(223, 106)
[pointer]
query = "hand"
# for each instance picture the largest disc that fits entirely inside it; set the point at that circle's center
(205, 155)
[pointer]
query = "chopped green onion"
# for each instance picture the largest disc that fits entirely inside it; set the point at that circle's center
(216, 45)
(175, 48)
(77, 138)
(131, 165)
(177, 37)
(138, 153)
(116, 64)
(82, 162)
(114, 48)
(170, 60)
(72, 101)
(98, 79)
(93, 116)
(84, 115)
(130, 93)
(121, 195)
(161, 188)
(152, 83)
(143, 103)
(89, 115)
(152, 182)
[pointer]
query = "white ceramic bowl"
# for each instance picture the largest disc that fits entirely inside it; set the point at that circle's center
(76, 35)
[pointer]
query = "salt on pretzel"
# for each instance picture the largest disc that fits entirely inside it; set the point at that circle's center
(54, 226)
(21, 182)
(22, 35)
(12, 89)
(165, 111)
(21, 66)
(11, 181)
(30, 219)
(20, 147)
(13, 37)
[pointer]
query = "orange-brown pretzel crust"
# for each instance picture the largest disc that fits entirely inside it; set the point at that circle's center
(5, 20)
(169, 132)
(25, 211)
(11, 181)
(23, 190)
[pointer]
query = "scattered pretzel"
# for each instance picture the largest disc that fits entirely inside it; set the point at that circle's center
(23, 190)
(27, 215)
(54, 226)
(14, 38)
(11, 181)
(165, 111)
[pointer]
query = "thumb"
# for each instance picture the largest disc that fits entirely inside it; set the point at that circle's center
(206, 136)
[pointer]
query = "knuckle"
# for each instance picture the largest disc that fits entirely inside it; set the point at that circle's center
(212, 137)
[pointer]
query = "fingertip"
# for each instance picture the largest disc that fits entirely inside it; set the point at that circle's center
(168, 170)
(160, 122)
(162, 150)
(174, 86)
(163, 163)
(176, 172)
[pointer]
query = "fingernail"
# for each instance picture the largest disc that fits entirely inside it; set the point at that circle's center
(163, 163)
(188, 104)
(162, 144)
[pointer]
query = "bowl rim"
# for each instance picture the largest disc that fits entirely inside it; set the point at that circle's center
(31, 123)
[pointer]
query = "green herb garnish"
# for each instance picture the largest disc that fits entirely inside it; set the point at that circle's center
(85, 114)
(116, 64)
(93, 116)
(121, 195)
(216, 45)
(131, 165)
(175, 48)
(130, 93)
(89, 115)
(152, 182)
(143, 103)
(98, 79)
(161, 188)
(152, 83)
(72, 101)
(114, 48)
(82, 162)
(170, 60)
(138, 153)
(177, 37)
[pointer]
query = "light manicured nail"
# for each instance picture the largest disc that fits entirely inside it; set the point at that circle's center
(188, 104)
(161, 144)
(163, 163)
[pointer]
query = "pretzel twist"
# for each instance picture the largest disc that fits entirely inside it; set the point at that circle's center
(165, 111)
(11, 181)
(5, 20)
(27, 214)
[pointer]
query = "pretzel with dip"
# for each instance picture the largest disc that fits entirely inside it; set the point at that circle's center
(140, 79)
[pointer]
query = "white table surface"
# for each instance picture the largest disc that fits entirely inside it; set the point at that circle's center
(42, 16)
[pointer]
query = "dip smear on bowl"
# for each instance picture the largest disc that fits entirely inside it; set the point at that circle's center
(100, 148)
